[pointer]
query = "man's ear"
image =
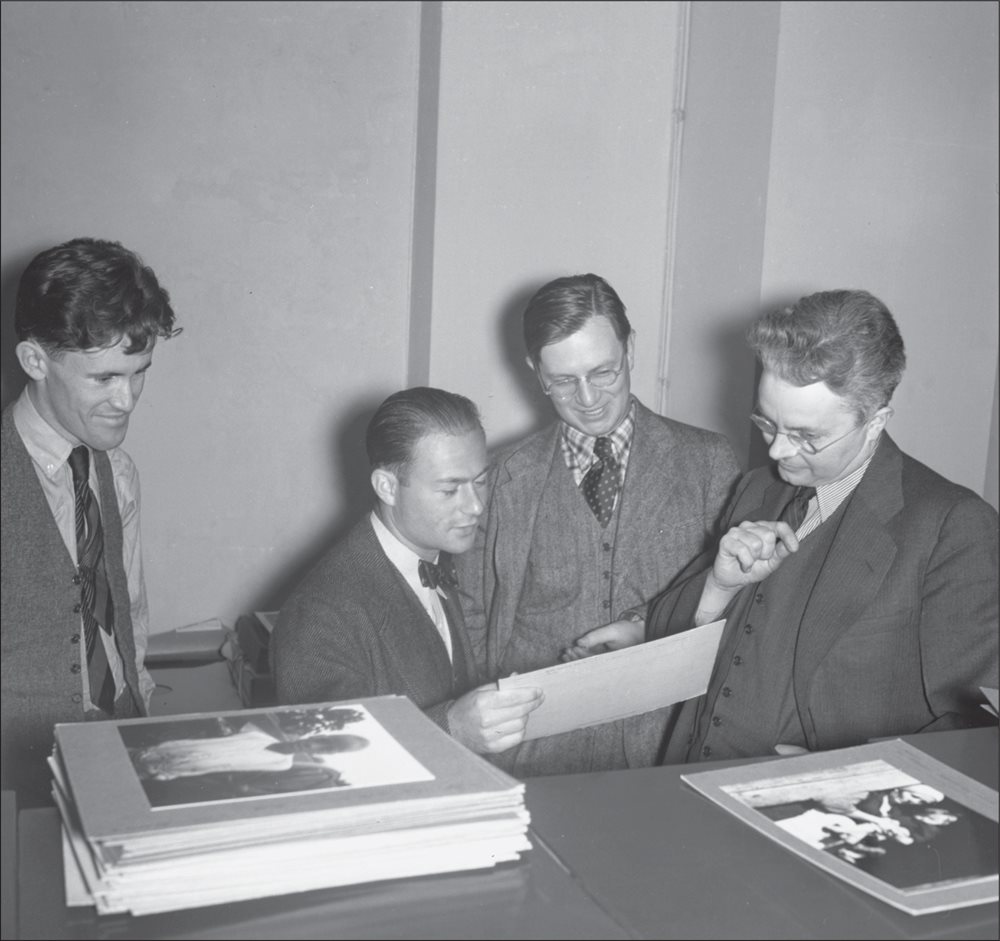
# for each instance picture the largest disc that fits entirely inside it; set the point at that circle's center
(877, 423)
(33, 359)
(385, 483)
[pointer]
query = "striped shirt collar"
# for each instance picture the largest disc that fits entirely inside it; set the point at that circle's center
(830, 496)
(578, 448)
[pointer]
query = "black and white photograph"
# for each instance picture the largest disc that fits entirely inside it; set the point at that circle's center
(883, 822)
(614, 382)
(233, 757)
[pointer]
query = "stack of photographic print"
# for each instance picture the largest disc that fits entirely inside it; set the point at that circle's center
(161, 814)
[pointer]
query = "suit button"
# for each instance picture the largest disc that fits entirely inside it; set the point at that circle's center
(606, 547)
(75, 668)
(748, 629)
(737, 660)
(759, 597)
(606, 575)
(606, 603)
(706, 751)
(726, 691)
(74, 638)
(716, 721)
(77, 608)
(77, 579)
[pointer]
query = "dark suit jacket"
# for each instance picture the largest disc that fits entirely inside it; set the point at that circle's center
(898, 632)
(354, 628)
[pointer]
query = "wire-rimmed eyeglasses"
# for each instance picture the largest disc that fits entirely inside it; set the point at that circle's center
(800, 442)
(566, 387)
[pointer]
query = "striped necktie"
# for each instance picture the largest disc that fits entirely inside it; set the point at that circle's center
(97, 608)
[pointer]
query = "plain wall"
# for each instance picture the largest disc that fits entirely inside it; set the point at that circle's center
(884, 177)
(347, 198)
(259, 156)
(553, 156)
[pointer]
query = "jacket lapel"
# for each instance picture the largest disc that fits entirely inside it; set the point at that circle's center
(520, 482)
(859, 557)
(416, 649)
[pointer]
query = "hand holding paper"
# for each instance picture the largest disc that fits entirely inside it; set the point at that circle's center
(621, 683)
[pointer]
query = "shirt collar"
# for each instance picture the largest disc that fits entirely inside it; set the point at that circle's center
(830, 496)
(47, 448)
(402, 556)
(578, 448)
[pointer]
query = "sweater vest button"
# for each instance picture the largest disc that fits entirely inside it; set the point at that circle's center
(77, 697)
(77, 608)
(74, 638)
(77, 579)
(75, 668)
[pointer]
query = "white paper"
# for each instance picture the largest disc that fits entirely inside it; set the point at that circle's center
(609, 686)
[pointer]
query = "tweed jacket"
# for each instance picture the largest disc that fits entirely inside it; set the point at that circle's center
(897, 632)
(677, 482)
(354, 628)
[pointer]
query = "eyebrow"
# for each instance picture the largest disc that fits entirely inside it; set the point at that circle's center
(110, 373)
(798, 429)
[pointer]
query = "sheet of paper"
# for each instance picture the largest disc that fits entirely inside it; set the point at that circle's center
(622, 683)
(993, 697)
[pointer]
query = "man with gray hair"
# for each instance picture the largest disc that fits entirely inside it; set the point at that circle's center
(859, 587)
(380, 614)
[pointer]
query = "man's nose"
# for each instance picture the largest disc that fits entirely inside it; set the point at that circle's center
(585, 392)
(781, 447)
(124, 396)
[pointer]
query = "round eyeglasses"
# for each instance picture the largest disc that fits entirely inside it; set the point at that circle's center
(801, 443)
(566, 387)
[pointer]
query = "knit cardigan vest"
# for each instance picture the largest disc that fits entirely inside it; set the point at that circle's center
(40, 626)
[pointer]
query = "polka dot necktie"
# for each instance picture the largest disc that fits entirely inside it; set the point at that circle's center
(96, 606)
(600, 485)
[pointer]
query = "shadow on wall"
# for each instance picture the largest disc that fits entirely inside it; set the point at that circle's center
(510, 340)
(12, 378)
(347, 449)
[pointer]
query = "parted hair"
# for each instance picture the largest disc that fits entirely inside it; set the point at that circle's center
(562, 307)
(847, 339)
(91, 294)
(407, 416)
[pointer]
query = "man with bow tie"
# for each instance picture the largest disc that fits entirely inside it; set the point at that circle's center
(589, 517)
(380, 612)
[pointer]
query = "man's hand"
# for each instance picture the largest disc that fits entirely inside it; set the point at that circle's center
(491, 720)
(613, 636)
(748, 553)
(751, 551)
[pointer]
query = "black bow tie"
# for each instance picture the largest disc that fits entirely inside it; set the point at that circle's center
(436, 576)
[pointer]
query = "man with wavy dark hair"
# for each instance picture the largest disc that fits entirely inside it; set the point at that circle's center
(859, 587)
(75, 618)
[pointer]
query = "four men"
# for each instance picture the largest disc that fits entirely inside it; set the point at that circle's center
(75, 618)
(858, 586)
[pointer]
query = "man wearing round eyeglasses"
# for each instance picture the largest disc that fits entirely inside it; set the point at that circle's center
(587, 518)
(870, 613)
